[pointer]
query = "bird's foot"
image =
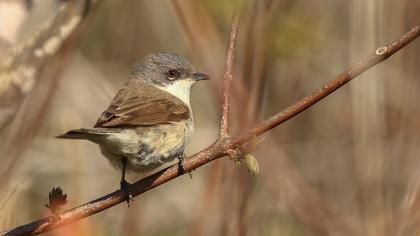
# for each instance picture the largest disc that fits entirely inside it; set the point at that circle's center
(126, 188)
(182, 166)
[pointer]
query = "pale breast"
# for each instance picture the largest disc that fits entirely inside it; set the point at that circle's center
(149, 147)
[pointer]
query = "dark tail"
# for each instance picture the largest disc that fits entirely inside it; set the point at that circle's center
(83, 134)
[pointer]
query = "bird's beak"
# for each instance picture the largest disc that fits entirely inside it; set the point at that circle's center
(200, 76)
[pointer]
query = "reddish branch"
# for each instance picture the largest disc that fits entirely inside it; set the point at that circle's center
(228, 77)
(217, 149)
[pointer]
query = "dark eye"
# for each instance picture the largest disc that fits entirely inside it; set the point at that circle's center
(172, 74)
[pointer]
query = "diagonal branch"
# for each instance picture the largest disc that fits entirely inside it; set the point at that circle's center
(218, 149)
(228, 77)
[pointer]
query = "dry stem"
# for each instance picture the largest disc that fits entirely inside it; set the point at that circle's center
(228, 77)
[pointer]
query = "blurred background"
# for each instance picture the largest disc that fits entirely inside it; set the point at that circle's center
(350, 165)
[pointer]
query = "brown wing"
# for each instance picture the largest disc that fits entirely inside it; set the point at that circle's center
(141, 104)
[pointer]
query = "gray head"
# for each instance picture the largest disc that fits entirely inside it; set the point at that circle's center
(165, 69)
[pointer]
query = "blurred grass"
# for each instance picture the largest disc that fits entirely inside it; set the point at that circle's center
(357, 150)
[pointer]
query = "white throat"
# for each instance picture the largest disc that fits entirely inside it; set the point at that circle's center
(180, 89)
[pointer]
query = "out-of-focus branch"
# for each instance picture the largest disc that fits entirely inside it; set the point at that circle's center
(407, 218)
(29, 71)
(218, 149)
(291, 189)
(228, 77)
(19, 71)
(206, 42)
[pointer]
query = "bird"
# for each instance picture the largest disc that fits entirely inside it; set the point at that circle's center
(149, 121)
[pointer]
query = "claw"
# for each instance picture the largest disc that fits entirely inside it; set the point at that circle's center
(182, 167)
(126, 188)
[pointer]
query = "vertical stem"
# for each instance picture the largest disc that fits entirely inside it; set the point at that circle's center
(227, 77)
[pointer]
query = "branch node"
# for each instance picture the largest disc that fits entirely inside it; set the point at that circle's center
(235, 155)
(381, 51)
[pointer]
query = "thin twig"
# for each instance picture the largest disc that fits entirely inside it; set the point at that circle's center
(228, 77)
(217, 149)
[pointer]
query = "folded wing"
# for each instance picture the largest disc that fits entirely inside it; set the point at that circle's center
(140, 105)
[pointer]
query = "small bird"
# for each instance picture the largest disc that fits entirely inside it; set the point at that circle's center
(149, 121)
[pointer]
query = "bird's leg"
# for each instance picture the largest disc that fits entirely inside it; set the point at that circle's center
(125, 186)
(182, 165)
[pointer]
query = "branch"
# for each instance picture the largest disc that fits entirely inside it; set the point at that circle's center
(227, 83)
(217, 149)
